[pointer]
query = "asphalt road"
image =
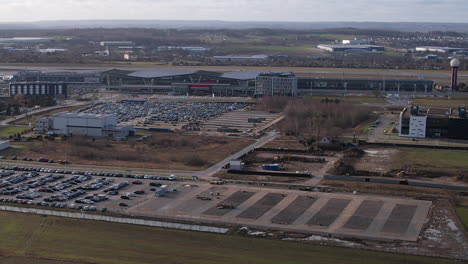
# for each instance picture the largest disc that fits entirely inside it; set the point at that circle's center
(258, 143)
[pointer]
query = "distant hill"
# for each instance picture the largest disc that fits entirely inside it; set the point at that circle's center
(215, 24)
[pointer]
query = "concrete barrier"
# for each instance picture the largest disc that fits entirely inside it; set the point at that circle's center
(104, 218)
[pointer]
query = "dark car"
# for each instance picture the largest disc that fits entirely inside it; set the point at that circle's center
(125, 197)
(155, 184)
(137, 182)
(123, 204)
(139, 192)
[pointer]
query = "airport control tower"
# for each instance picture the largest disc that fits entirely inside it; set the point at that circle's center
(455, 63)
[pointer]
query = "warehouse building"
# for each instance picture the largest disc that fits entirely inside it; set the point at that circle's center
(432, 122)
(241, 58)
(92, 125)
(116, 43)
(440, 49)
(42, 89)
(276, 84)
(351, 48)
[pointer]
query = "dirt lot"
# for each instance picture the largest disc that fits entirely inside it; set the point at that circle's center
(247, 177)
(289, 162)
(286, 142)
(379, 160)
(162, 151)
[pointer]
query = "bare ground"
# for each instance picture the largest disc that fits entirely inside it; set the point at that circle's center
(164, 151)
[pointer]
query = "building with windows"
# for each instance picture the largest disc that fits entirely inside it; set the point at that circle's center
(92, 125)
(65, 77)
(434, 122)
(43, 89)
(276, 84)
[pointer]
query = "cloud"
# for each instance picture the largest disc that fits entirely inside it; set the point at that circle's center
(238, 10)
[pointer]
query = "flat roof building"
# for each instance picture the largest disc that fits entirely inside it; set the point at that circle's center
(440, 49)
(233, 58)
(434, 122)
(83, 124)
(276, 84)
(350, 48)
(116, 43)
(43, 89)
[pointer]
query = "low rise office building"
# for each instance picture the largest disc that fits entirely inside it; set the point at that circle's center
(93, 125)
(433, 122)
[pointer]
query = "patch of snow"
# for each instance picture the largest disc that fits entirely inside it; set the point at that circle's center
(325, 239)
(451, 224)
(432, 234)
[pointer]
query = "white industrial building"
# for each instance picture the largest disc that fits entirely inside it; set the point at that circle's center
(4, 144)
(351, 48)
(440, 49)
(83, 124)
(355, 42)
(251, 58)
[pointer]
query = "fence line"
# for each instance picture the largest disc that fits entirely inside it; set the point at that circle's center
(200, 228)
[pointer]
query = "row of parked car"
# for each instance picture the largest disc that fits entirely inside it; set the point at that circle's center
(65, 196)
(89, 173)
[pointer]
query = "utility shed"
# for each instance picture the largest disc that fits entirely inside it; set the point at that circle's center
(236, 165)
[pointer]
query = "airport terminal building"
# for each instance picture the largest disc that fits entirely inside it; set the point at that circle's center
(248, 83)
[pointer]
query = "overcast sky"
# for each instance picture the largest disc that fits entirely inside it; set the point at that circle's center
(238, 10)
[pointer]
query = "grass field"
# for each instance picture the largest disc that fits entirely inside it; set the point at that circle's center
(429, 160)
(442, 102)
(462, 212)
(83, 241)
(355, 99)
(11, 130)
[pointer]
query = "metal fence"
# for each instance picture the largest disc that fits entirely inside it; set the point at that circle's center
(132, 221)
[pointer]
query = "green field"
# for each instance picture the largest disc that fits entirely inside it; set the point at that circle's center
(11, 130)
(442, 102)
(354, 99)
(37, 236)
(430, 160)
(462, 212)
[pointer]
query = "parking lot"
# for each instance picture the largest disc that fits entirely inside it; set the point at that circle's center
(362, 216)
(240, 121)
(80, 190)
(374, 217)
(153, 112)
